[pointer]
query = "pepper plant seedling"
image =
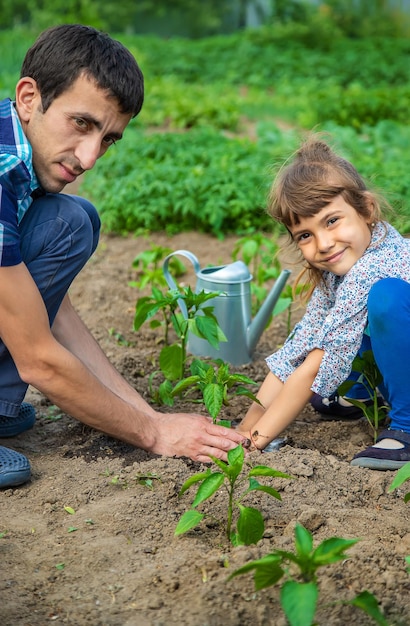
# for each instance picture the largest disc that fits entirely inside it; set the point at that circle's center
(250, 524)
(299, 593)
(215, 383)
(149, 267)
(200, 321)
(370, 377)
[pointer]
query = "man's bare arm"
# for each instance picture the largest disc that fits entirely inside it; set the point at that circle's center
(72, 371)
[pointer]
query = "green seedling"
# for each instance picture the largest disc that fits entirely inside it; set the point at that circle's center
(299, 593)
(149, 266)
(69, 510)
(215, 384)
(250, 525)
(199, 320)
(370, 377)
(3, 534)
(260, 253)
(72, 529)
(147, 480)
(119, 337)
(402, 475)
(53, 413)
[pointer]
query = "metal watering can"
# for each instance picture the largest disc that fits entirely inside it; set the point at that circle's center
(232, 308)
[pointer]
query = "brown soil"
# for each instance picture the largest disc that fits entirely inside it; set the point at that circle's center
(122, 564)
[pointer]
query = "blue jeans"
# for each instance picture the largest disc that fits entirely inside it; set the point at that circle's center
(59, 233)
(389, 328)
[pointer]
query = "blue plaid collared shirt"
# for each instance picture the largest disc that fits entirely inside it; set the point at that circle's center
(17, 182)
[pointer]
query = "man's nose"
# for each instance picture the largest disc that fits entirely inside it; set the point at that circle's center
(87, 152)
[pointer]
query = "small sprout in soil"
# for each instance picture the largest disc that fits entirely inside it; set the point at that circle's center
(69, 510)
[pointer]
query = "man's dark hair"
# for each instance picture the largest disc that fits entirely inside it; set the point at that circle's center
(62, 53)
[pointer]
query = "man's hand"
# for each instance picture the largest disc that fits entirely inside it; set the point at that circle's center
(193, 436)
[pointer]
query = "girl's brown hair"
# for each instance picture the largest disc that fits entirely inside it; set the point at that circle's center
(313, 178)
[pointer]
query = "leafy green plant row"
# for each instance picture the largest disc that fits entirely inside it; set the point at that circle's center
(203, 180)
(262, 56)
(192, 181)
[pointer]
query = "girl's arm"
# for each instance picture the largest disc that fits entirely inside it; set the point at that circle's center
(282, 401)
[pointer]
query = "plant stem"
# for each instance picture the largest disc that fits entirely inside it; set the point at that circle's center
(230, 512)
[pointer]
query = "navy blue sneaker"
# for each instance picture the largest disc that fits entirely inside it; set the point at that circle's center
(12, 426)
(331, 409)
(14, 468)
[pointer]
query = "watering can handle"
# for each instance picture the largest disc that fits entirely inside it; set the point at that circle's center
(170, 280)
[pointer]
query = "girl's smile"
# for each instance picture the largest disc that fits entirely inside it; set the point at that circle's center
(334, 238)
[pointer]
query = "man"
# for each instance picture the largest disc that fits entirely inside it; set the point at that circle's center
(77, 92)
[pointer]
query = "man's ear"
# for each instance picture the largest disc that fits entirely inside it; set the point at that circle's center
(28, 97)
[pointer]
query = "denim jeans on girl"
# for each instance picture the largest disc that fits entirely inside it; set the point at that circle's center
(59, 233)
(389, 326)
(388, 337)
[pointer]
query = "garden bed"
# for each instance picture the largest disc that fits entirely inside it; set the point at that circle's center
(114, 560)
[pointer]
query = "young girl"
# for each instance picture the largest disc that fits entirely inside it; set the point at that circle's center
(359, 266)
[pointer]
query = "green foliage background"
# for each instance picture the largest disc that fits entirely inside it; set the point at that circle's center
(223, 112)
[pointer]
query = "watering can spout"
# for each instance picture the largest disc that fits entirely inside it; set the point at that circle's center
(257, 326)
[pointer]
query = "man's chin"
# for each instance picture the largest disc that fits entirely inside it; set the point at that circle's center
(54, 187)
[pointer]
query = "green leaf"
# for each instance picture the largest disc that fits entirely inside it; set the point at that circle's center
(69, 510)
(332, 550)
(185, 383)
(303, 540)
(402, 475)
(267, 571)
(192, 480)
(263, 470)
(170, 361)
(189, 520)
(209, 486)
(299, 601)
(254, 485)
(368, 603)
(281, 305)
(213, 398)
(236, 456)
(207, 328)
(250, 525)
(165, 393)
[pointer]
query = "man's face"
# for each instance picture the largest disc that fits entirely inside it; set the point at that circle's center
(77, 129)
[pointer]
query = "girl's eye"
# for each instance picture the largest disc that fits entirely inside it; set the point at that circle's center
(332, 220)
(303, 237)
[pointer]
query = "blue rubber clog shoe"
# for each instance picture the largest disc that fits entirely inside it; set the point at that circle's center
(12, 426)
(14, 468)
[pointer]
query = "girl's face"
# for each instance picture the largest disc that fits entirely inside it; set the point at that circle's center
(333, 239)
